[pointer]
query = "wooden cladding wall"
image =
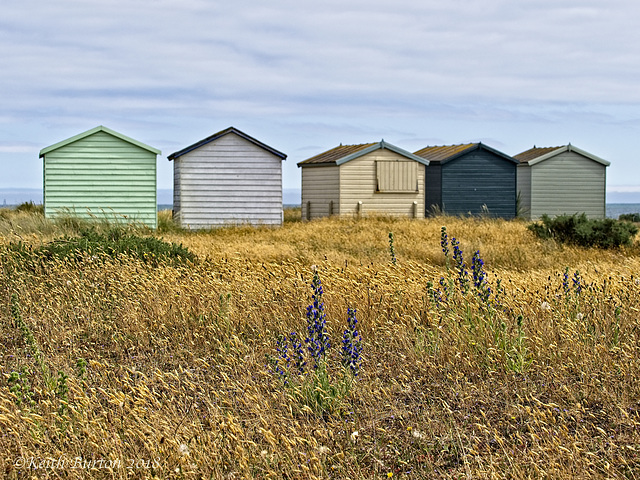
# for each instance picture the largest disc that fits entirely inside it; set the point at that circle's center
(228, 181)
(101, 176)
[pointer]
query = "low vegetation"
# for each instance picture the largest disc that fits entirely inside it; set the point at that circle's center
(630, 217)
(372, 348)
(579, 230)
(116, 242)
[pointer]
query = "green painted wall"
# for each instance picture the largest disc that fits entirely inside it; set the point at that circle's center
(101, 174)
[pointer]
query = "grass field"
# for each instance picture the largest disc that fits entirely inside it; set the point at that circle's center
(521, 363)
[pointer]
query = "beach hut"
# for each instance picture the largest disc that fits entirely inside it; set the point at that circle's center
(470, 179)
(101, 174)
(370, 178)
(227, 178)
(561, 180)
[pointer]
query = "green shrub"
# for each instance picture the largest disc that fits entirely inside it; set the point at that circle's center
(114, 242)
(630, 217)
(579, 230)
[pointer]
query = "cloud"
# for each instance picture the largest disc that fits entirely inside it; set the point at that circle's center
(309, 74)
(435, 50)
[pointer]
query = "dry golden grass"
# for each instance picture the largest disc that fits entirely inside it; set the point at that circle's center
(176, 383)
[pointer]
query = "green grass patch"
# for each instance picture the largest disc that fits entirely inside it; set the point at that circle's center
(115, 242)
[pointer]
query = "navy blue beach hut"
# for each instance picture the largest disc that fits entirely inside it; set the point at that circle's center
(469, 179)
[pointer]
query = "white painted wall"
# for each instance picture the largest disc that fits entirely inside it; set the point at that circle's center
(228, 181)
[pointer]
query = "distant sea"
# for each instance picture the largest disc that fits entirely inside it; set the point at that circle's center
(10, 197)
(614, 210)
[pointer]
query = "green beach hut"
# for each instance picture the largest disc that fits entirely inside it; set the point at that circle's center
(101, 174)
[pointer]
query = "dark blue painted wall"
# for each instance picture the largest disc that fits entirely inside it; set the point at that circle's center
(433, 189)
(475, 179)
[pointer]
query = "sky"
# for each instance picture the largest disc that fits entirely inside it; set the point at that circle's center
(304, 76)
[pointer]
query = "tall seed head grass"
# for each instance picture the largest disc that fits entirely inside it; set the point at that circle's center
(165, 363)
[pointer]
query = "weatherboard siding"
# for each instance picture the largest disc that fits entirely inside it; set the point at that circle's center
(358, 183)
(228, 181)
(568, 183)
(176, 192)
(433, 193)
(524, 190)
(397, 176)
(479, 183)
(320, 187)
(101, 176)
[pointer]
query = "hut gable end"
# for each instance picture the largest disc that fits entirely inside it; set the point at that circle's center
(101, 173)
(562, 181)
(369, 178)
(471, 179)
(227, 178)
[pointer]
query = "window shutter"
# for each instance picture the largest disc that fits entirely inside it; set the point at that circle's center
(397, 176)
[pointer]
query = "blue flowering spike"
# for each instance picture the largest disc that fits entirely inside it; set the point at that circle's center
(577, 283)
(297, 353)
(434, 294)
(444, 244)
(480, 277)
(463, 275)
(565, 281)
(477, 270)
(351, 344)
(282, 348)
(317, 338)
(283, 359)
(392, 250)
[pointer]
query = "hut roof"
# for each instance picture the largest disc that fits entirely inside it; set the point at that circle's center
(539, 154)
(100, 128)
(222, 133)
(446, 153)
(534, 153)
(344, 153)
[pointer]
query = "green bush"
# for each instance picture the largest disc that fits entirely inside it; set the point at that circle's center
(114, 242)
(630, 217)
(579, 230)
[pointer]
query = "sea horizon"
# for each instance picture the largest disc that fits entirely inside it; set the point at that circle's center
(619, 202)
